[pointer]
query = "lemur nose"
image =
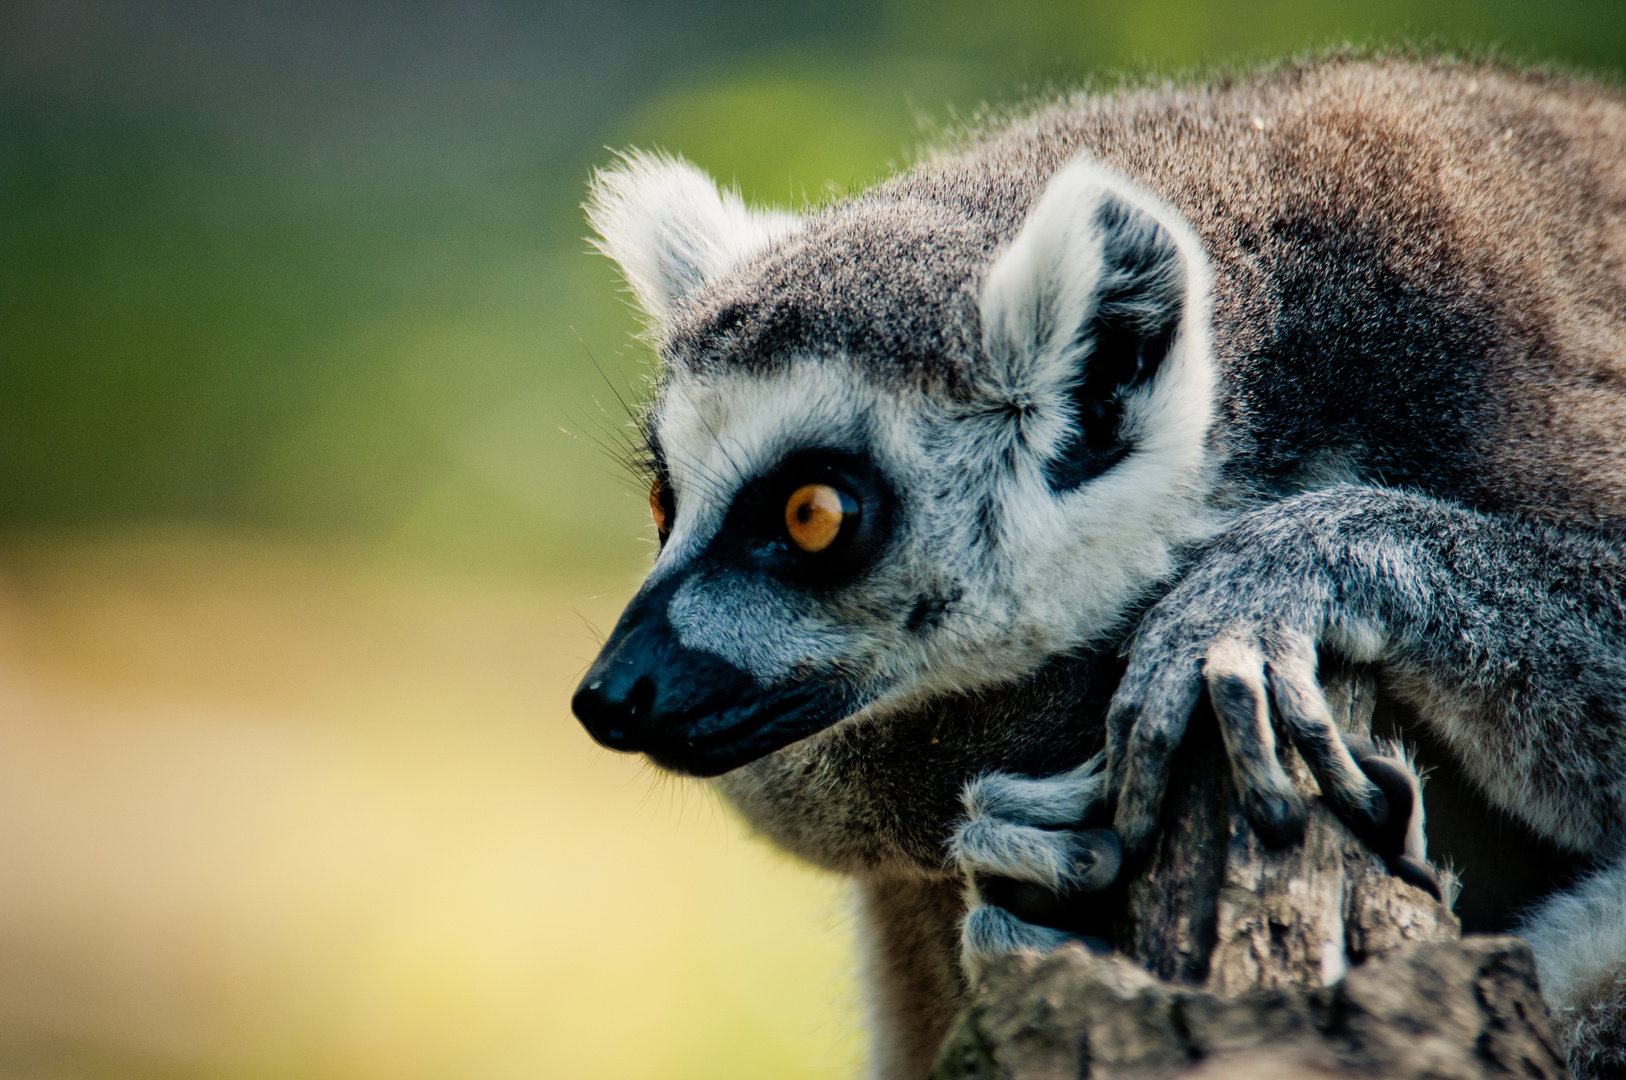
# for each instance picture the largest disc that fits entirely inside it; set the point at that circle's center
(614, 709)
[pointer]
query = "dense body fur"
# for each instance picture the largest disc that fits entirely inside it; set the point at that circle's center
(1156, 390)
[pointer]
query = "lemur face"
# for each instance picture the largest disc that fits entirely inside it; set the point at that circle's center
(837, 541)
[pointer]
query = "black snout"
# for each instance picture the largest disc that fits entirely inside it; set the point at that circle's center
(648, 692)
(688, 710)
(613, 705)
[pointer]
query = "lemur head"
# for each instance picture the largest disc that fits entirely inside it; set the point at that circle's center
(898, 451)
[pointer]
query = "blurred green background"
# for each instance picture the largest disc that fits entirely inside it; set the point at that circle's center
(310, 405)
(318, 268)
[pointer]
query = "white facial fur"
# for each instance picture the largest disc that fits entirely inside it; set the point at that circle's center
(1055, 570)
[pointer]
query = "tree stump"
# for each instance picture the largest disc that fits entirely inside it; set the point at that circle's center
(1233, 959)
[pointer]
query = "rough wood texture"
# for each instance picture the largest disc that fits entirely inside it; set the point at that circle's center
(1308, 961)
(1462, 1010)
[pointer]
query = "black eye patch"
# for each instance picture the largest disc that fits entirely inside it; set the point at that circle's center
(756, 532)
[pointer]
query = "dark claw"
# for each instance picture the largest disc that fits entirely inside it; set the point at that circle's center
(1415, 872)
(1108, 860)
(1388, 837)
(1375, 815)
(1279, 821)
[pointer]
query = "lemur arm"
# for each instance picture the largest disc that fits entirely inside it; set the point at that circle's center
(1508, 635)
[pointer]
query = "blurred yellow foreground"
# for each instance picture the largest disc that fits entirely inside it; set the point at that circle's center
(266, 812)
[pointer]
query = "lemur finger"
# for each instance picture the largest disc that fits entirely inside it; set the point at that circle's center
(1120, 725)
(1065, 799)
(1399, 840)
(1149, 666)
(1142, 771)
(1061, 860)
(1391, 837)
(1235, 670)
(991, 932)
(1297, 694)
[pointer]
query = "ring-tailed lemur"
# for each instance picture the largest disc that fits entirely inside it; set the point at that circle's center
(962, 478)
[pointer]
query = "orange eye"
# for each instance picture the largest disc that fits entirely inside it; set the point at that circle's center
(814, 515)
(657, 507)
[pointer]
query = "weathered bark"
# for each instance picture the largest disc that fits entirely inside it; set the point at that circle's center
(1305, 961)
(1462, 1010)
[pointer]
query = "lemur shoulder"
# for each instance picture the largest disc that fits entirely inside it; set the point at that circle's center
(969, 484)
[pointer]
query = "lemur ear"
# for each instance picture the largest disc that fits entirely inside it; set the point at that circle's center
(1084, 307)
(669, 227)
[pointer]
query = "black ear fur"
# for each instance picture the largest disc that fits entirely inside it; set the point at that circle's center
(1139, 300)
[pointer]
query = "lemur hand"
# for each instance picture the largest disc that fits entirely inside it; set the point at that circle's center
(1031, 861)
(1244, 625)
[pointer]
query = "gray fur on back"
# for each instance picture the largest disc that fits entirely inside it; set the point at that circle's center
(1482, 208)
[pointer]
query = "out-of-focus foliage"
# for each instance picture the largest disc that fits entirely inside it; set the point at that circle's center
(268, 814)
(1064, 38)
(318, 268)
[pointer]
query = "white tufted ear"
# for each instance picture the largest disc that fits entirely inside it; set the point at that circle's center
(1092, 240)
(669, 227)
(1104, 287)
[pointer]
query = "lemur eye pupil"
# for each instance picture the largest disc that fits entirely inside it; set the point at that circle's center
(814, 515)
